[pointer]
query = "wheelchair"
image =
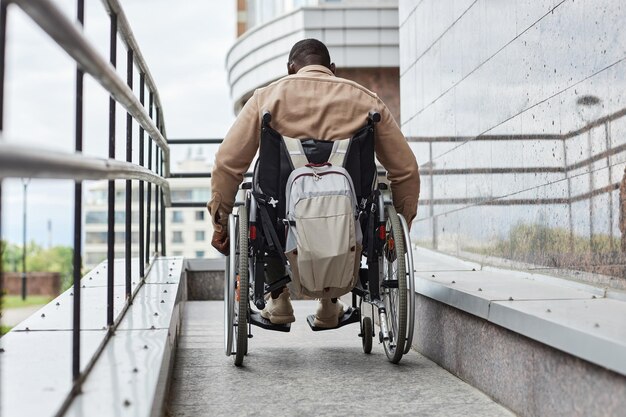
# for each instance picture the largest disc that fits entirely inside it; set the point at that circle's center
(385, 284)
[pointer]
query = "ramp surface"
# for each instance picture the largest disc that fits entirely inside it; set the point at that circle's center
(305, 373)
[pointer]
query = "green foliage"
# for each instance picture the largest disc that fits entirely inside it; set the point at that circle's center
(535, 239)
(38, 259)
(4, 330)
(15, 301)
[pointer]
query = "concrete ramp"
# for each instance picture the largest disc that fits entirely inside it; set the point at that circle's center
(305, 373)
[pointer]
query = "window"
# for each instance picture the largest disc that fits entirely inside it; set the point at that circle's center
(199, 235)
(177, 253)
(200, 215)
(177, 237)
(177, 216)
(181, 195)
(96, 237)
(96, 217)
(199, 254)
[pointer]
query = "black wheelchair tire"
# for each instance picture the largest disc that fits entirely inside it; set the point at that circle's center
(243, 285)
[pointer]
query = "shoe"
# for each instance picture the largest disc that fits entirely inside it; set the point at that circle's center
(328, 313)
(279, 310)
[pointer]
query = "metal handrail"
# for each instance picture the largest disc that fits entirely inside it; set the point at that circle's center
(72, 40)
(25, 162)
(20, 161)
(123, 28)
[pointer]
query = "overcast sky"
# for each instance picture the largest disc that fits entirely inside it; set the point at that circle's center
(184, 44)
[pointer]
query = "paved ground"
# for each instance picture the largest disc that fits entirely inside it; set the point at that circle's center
(13, 316)
(303, 373)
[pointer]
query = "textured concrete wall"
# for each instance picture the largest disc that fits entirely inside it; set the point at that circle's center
(519, 107)
(526, 376)
(205, 285)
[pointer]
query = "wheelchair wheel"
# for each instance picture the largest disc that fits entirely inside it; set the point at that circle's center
(236, 289)
(394, 287)
(410, 285)
(230, 279)
(241, 291)
(367, 333)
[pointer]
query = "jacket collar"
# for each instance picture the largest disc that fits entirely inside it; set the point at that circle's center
(315, 69)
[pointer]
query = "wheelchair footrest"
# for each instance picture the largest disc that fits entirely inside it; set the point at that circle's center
(257, 320)
(352, 315)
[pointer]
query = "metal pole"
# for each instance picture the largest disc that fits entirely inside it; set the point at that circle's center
(157, 191)
(149, 198)
(162, 213)
(111, 202)
(3, 39)
(25, 182)
(142, 262)
(129, 189)
(3, 28)
(157, 197)
(160, 167)
(78, 197)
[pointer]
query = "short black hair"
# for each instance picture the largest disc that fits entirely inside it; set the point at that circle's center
(308, 52)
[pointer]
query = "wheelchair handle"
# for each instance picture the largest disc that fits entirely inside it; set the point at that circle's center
(373, 116)
(267, 117)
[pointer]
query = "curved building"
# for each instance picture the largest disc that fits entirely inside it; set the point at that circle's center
(361, 35)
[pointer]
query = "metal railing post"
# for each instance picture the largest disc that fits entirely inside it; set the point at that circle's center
(111, 201)
(3, 39)
(157, 197)
(161, 172)
(78, 203)
(25, 182)
(129, 189)
(149, 197)
(3, 28)
(142, 85)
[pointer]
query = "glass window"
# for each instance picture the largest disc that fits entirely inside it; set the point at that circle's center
(177, 253)
(199, 254)
(177, 216)
(199, 235)
(181, 195)
(96, 237)
(177, 237)
(96, 217)
(200, 215)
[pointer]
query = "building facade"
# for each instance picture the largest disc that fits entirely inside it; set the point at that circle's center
(188, 230)
(361, 35)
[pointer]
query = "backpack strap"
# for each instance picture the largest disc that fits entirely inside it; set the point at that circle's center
(338, 153)
(295, 152)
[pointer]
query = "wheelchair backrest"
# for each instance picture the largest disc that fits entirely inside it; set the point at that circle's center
(274, 165)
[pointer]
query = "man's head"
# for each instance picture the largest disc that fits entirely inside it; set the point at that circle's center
(309, 52)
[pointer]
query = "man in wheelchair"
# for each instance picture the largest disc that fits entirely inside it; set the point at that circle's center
(319, 109)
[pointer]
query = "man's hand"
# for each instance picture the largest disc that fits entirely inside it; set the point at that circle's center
(221, 242)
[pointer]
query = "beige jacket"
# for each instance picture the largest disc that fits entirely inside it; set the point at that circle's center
(312, 104)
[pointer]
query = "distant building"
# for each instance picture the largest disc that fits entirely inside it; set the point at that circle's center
(361, 35)
(188, 230)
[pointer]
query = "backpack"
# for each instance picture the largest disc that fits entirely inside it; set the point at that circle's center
(324, 239)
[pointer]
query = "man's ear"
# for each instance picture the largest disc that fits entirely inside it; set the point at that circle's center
(291, 68)
(332, 67)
